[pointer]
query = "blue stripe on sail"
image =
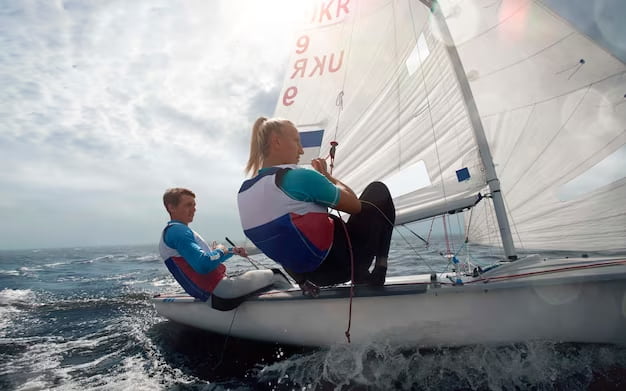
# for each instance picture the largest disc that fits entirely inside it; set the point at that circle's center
(311, 138)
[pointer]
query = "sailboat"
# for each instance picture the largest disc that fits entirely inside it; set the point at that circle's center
(495, 108)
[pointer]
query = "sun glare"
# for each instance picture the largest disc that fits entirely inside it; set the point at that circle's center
(271, 17)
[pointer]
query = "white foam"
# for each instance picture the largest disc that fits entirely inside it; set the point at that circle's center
(25, 269)
(165, 283)
(55, 264)
(383, 366)
(134, 282)
(148, 258)
(16, 296)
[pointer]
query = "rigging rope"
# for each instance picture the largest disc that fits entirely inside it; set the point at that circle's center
(469, 224)
(432, 222)
(418, 236)
(445, 232)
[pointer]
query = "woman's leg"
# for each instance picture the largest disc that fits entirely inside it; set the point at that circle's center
(369, 236)
(336, 266)
(370, 233)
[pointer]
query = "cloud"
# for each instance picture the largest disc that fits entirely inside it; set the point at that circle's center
(106, 104)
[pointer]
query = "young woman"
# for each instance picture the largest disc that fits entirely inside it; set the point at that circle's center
(284, 212)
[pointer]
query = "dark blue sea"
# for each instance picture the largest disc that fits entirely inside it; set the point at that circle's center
(81, 319)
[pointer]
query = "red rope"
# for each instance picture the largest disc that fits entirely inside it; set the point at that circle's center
(331, 154)
(345, 229)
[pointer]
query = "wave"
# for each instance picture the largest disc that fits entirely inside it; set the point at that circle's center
(12, 297)
(12, 302)
(26, 269)
(536, 365)
(117, 277)
(148, 258)
(55, 264)
(116, 355)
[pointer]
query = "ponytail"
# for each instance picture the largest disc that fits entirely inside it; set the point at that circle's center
(259, 143)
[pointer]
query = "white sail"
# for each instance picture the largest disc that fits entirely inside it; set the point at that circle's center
(376, 76)
(552, 104)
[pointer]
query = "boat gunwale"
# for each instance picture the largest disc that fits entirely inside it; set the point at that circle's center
(547, 278)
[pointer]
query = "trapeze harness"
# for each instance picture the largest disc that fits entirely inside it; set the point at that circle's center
(281, 226)
(195, 284)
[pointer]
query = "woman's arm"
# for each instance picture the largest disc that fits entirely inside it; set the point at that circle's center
(348, 201)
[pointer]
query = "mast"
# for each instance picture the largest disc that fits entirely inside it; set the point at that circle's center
(479, 132)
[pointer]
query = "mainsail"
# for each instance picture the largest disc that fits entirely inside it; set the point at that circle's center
(377, 77)
(553, 105)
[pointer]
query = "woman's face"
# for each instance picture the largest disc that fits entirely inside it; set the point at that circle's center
(290, 147)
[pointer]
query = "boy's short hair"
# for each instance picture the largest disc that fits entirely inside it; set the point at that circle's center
(172, 196)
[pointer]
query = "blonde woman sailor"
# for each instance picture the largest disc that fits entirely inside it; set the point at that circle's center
(284, 212)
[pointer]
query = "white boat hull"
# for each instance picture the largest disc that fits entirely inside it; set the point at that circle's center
(560, 300)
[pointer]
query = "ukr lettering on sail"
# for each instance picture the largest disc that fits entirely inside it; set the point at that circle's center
(309, 67)
(317, 65)
(328, 11)
(311, 63)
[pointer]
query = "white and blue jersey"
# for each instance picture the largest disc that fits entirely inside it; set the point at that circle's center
(283, 211)
(196, 267)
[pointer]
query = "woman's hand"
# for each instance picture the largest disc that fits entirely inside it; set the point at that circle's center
(348, 201)
(319, 165)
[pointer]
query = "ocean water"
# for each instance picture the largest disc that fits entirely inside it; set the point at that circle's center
(80, 318)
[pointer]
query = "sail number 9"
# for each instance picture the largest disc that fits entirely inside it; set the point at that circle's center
(302, 44)
(290, 95)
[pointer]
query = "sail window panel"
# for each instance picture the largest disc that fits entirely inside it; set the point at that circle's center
(417, 57)
(408, 179)
(609, 170)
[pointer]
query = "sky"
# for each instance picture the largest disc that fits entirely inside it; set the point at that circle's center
(105, 104)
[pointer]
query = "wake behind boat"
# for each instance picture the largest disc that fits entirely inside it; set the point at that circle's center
(499, 110)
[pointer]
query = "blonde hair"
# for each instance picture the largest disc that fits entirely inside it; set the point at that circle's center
(259, 144)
